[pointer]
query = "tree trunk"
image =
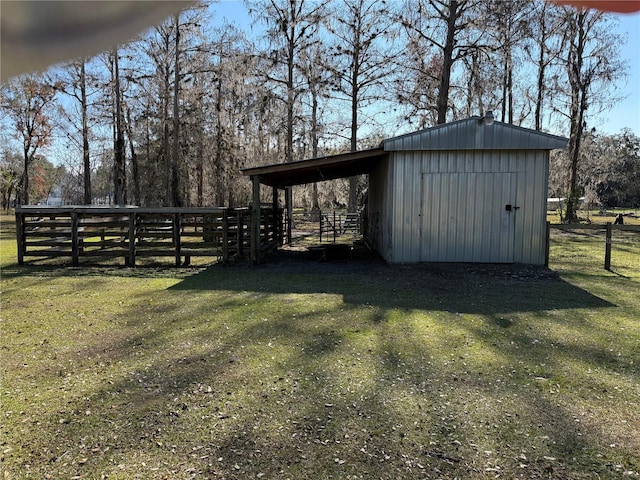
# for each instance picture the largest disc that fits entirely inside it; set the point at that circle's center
(175, 184)
(315, 207)
(290, 93)
(86, 160)
(355, 74)
(578, 107)
(199, 173)
(542, 63)
(219, 167)
(510, 90)
(541, 75)
(166, 177)
(134, 161)
(507, 73)
(447, 63)
(119, 158)
(503, 108)
(155, 167)
(25, 177)
(290, 106)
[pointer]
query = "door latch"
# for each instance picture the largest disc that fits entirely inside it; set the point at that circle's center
(508, 207)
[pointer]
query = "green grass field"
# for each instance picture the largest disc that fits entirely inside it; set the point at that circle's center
(323, 371)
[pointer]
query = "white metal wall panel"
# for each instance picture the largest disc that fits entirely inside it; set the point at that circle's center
(449, 206)
(463, 229)
(381, 186)
(531, 217)
(405, 207)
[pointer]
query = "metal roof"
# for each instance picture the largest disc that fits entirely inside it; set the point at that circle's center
(317, 169)
(473, 134)
(468, 134)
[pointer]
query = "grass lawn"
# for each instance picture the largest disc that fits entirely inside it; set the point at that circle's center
(322, 371)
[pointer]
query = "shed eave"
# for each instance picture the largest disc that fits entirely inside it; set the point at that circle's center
(317, 169)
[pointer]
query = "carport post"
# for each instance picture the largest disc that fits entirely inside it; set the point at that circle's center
(255, 220)
(288, 194)
(277, 224)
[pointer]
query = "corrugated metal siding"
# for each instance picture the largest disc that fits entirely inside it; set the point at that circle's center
(449, 206)
(531, 218)
(405, 207)
(470, 134)
(379, 221)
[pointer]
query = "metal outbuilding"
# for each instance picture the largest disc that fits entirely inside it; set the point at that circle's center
(474, 190)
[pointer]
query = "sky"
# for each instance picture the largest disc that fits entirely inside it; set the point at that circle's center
(626, 114)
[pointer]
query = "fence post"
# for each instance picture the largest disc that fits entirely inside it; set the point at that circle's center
(239, 241)
(607, 251)
(547, 245)
(176, 237)
(255, 220)
(132, 240)
(334, 226)
(225, 236)
(277, 220)
(288, 195)
(75, 240)
(21, 236)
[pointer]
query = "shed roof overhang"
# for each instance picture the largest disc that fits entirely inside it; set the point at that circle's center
(317, 169)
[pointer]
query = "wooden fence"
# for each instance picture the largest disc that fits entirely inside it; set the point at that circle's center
(132, 232)
(607, 229)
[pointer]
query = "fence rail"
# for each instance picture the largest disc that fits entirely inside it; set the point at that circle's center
(607, 229)
(132, 232)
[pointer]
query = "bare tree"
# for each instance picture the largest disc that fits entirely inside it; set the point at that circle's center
(175, 147)
(592, 63)
(135, 164)
(542, 49)
(74, 84)
(10, 166)
(445, 31)
(610, 172)
(159, 72)
(314, 65)
(119, 159)
(158, 48)
(27, 102)
(362, 50)
(291, 28)
(86, 159)
(510, 26)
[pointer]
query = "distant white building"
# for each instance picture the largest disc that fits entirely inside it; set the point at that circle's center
(54, 199)
(554, 203)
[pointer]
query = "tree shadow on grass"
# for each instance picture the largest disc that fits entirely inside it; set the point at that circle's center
(326, 408)
(357, 388)
(461, 288)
